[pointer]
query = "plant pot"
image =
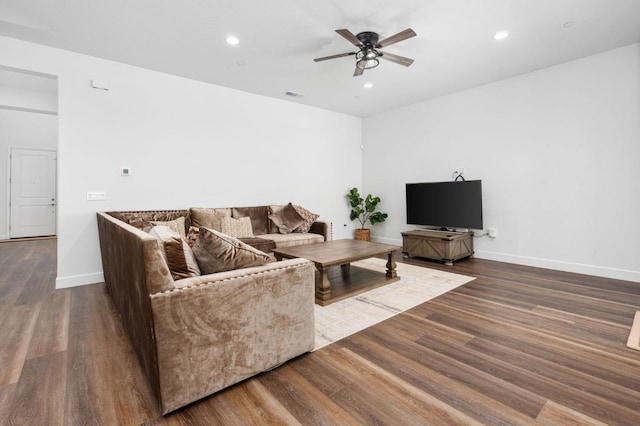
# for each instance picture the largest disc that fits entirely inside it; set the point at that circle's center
(363, 234)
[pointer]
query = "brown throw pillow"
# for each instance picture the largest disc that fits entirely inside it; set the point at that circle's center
(286, 219)
(217, 252)
(308, 219)
(176, 252)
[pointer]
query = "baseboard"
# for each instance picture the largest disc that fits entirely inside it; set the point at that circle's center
(391, 241)
(578, 268)
(78, 280)
(558, 265)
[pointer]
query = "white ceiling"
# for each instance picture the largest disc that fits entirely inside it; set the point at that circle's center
(453, 50)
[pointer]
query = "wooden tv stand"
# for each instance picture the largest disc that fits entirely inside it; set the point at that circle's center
(437, 245)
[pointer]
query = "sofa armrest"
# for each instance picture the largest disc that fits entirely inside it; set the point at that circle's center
(321, 228)
(215, 330)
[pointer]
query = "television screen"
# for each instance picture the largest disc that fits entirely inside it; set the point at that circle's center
(445, 204)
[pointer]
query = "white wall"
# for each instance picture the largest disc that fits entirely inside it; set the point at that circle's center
(188, 144)
(28, 99)
(557, 151)
(21, 129)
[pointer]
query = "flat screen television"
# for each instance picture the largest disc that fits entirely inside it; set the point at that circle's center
(445, 204)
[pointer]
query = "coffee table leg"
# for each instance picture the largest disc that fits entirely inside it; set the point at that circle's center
(391, 266)
(323, 286)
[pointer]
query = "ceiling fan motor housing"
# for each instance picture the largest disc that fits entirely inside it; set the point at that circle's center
(368, 38)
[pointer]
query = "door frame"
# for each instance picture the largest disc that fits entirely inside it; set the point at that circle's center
(8, 213)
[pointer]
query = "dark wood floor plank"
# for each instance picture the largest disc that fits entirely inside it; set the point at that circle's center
(308, 403)
(40, 394)
(15, 335)
(555, 414)
(51, 331)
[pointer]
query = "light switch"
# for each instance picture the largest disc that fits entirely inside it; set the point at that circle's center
(96, 196)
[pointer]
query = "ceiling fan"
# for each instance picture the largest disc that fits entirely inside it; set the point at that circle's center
(368, 54)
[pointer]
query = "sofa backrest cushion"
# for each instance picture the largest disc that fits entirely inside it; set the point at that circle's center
(217, 252)
(259, 217)
(209, 218)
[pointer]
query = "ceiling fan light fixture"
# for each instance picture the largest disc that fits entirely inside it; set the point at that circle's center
(367, 58)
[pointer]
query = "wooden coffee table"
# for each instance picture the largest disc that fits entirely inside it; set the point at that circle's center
(332, 286)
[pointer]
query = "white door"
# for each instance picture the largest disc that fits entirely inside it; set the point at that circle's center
(32, 193)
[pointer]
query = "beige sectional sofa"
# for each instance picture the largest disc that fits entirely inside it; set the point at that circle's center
(194, 336)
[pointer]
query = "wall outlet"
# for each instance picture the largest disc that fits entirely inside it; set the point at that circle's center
(493, 232)
(96, 196)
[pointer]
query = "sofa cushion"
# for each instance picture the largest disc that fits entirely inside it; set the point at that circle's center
(259, 217)
(237, 228)
(293, 239)
(308, 219)
(217, 252)
(262, 244)
(209, 218)
(307, 216)
(176, 225)
(286, 219)
(176, 252)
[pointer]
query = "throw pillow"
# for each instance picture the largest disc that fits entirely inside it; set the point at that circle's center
(209, 218)
(176, 252)
(176, 225)
(286, 219)
(238, 228)
(217, 252)
(308, 219)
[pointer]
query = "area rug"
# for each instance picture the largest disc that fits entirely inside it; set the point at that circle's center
(416, 285)
(633, 341)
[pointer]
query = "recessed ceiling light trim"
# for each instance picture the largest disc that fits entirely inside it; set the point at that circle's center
(500, 35)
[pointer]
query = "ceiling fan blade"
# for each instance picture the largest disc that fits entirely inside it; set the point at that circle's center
(358, 72)
(349, 36)
(403, 35)
(339, 55)
(401, 60)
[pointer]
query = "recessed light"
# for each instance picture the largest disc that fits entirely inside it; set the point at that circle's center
(232, 40)
(568, 24)
(293, 94)
(500, 35)
(367, 85)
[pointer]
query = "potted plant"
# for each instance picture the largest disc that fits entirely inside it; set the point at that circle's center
(364, 209)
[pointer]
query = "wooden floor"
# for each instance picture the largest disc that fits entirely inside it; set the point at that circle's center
(517, 345)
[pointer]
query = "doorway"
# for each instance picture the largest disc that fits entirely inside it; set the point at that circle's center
(32, 193)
